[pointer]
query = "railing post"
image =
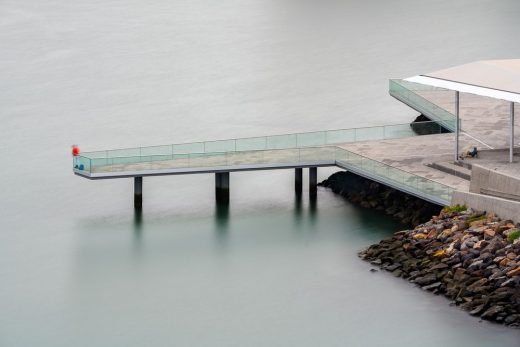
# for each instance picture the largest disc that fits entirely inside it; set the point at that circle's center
(138, 192)
(511, 131)
(457, 130)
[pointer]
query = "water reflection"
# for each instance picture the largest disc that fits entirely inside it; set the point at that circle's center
(298, 212)
(138, 228)
(298, 209)
(313, 209)
(222, 222)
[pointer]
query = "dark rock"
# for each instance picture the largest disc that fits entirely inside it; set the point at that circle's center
(393, 267)
(514, 318)
(369, 194)
(397, 273)
(376, 262)
(424, 280)
(440, 256)
(477, 264)
(492, 312)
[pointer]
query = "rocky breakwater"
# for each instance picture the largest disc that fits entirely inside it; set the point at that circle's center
(404, 207)
(468, 256)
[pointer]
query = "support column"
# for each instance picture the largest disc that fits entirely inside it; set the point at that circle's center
(313, 182)
(138, 192)
(222, 187)
(457, 130)
(298, 181)
(512, 132)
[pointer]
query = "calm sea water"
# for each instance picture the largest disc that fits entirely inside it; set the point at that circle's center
(78, 268)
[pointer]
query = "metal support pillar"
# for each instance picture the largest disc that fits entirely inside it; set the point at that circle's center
(222, 187)
(313, 182)
(298, 181)
(512, 132)
(457, 126)
(138, 192)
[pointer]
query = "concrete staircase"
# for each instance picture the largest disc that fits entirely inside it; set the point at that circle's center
(462, 169)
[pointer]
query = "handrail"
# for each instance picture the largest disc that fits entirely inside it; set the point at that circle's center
(406, 92)
(293, 140)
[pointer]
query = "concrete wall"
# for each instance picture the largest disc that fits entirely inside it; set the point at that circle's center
(490, 182)
(505, 209)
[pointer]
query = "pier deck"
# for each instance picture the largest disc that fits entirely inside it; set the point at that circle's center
(393, 155)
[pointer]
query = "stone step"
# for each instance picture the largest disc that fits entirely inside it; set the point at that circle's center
(452, 169)
(464, 163)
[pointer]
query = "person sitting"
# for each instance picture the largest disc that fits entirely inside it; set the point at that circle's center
(473, 153)
(470, 154)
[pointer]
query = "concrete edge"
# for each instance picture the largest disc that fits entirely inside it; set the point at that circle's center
(503, 208)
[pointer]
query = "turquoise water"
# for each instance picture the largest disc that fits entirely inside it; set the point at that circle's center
(79, 268)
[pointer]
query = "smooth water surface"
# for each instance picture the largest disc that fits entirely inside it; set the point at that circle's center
(79, 268)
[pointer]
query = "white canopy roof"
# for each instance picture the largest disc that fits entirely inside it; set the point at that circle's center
(499, 79)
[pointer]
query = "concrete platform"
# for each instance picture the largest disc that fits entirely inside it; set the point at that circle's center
(413, 155)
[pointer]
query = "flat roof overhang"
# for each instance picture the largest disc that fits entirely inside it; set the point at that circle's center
(497, 79)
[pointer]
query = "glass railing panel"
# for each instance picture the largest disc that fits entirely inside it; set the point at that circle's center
(125, 160)
(219, 146)
(159, 157)
(400, 130)
(366, 134)
(340, 154)
(251, 144)
(125, 152)
(380, 169)
(369, 165)
(317, 138)
(355, 159)
(157, 150)
(410, 92)
(99, 162)
(281, 141)
(186, 148)
(396, 175)
(328, 153)
(96, 154)
(81, 163)
(340, 136)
